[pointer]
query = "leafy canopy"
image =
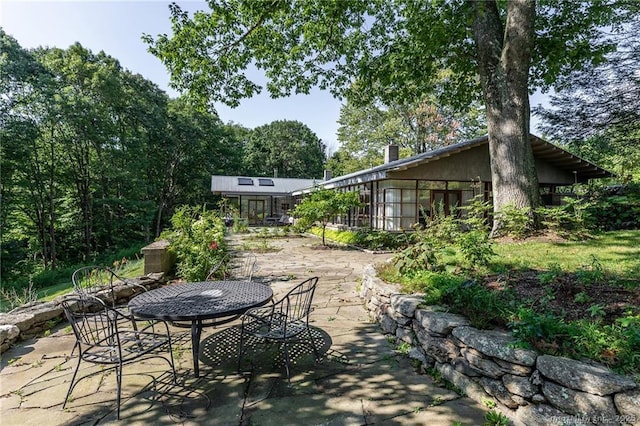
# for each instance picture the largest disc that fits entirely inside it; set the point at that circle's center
(391, 50)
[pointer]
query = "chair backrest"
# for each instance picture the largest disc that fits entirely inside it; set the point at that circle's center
(296, 304)
(242, 268)
(93, 322)
(100, 281)
(218, 269)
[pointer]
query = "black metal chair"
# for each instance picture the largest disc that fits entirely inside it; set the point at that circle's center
(239, 268)
(103, 282)
(106, 336)
(218, 270)
(283, 322)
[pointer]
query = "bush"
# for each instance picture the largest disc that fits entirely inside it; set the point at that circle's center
(615, 207)
(516, 223)
(374, 239)
(483, 307)
(197, 241)
(477, 248)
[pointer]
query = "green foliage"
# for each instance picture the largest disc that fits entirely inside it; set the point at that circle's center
(197, 240)
(531, 327)
(419, 127)
(615, 208)
(592, 273)
(445, 235)
(423, 255)
(371, 239)
(12, 298)
(78, 185)
(289, 147)
(476, 247)
(516, 222)
(616, 345)
(495, 418)
(323, 205)
(375, 239)
(571, 220)
(483, 307)
(554, 272)
(581, 297)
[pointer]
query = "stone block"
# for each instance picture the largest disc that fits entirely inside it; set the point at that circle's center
(157, 257)
(591, 378)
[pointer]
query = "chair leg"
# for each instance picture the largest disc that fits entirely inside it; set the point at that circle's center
(240, 347)
(287, 362)
(75, 373)
(173, 366)
(118, 386)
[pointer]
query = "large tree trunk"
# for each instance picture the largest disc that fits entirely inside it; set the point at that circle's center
(504, 55)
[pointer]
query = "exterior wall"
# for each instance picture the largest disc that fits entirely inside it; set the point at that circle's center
(463, 166)
(548, 174)
(473, 164)
(255, 209)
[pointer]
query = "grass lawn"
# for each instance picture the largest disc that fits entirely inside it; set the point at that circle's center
(616, 252)
(132, 269)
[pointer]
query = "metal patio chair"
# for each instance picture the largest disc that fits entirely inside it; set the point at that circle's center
(239, 268)
(218, 269)
(108, 337)
(102, 282)
(283, 322)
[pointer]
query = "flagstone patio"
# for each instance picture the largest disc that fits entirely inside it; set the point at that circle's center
(361, 380)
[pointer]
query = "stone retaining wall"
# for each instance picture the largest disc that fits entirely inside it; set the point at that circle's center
(529, 388)
(33, 319)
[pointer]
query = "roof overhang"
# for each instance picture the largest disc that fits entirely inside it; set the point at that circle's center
(542, 150)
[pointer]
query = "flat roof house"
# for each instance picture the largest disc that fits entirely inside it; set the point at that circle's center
(259, 200)
(401, 192)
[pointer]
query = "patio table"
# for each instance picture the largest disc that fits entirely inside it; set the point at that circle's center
(200, 304)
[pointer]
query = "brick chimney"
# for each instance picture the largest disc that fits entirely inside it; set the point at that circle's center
(390, 153)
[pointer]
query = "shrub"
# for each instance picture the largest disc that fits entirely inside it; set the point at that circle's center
(516, 223)
(477, 247)
(418, 257)
(483, 307)
(615, 207)
(197, 241)
(571, 220)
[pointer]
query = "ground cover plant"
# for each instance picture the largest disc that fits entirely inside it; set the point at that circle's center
(579, 299)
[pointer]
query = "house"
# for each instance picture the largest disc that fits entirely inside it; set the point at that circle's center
(402, 192)
(259, 200)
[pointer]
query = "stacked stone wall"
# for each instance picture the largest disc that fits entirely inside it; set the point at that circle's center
(33, 319)
(530, 388)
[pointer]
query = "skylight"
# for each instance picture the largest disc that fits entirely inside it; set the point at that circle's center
(245, 181)
(265, 182)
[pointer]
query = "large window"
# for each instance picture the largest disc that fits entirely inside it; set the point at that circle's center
(396, 205)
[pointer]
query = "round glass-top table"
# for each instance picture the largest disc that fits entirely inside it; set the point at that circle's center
(201, 304)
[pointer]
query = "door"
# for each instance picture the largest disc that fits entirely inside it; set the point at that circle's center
(256, 212)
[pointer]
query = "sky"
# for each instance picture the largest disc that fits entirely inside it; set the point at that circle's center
(116, 27)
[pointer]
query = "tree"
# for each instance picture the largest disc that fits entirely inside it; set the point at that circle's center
(323, 205)
(288, 147)
(366, 129)
(94, 157)
(596, 112)
(400, 50)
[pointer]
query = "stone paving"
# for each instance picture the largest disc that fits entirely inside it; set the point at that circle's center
(361, 380)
